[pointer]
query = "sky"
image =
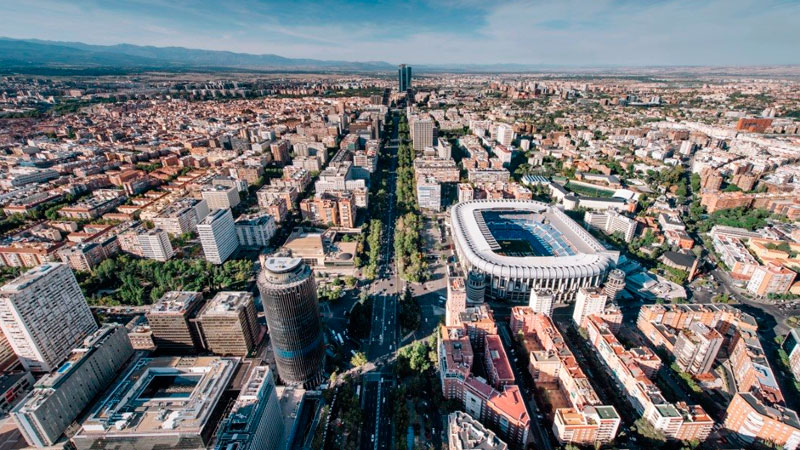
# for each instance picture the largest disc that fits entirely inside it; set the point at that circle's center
(436, 32)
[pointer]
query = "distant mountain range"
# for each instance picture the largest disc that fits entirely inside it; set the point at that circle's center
(32, 53)
(37, 56)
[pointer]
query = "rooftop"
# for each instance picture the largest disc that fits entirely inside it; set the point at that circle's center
(176, 302)
(165, 395)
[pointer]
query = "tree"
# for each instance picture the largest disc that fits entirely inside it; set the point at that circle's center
(359, 359)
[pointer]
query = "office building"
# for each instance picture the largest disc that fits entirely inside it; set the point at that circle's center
(289, 296)
(255, 422)
(588, 301)
(14, 385)
(218, 236)
(155, 245)
(58, 398)
(172, 322)
(615, 284)
(542, 301)
(158, 403)
(221, 197)
(422, 133)
(255, 230)
(696, 348)
(403, 78)
(44, 316)
(429, 193)
(466, 433)
(229, 323)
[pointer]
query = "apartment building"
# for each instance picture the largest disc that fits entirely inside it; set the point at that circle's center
(221, 197)
(44, 315)
(753, 420)
(456, 301)
(182, 216)
(155, 245)
(696, 348)
(771, 279)
(610, 222)
(255, 230)
(336, 209)
(218, 236)
(553, 367)
(497, 403)
(588, 301)
(629, 369)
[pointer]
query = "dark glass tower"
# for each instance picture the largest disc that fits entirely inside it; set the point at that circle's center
(289, 296)
(404, 78)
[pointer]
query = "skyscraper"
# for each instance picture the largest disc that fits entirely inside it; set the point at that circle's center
(422, 134)
(289, 296)
(44, 316)
(404, 78)
(218, 236)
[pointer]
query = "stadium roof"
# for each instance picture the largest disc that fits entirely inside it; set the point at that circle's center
(590, 257)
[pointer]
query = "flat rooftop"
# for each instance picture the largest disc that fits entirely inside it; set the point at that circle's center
(175, 302)
(23, 281)
(165, 395)
(227, 302)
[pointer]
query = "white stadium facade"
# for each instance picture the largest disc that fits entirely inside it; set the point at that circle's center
(519, 245)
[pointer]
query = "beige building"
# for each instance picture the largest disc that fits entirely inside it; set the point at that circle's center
(230, 325)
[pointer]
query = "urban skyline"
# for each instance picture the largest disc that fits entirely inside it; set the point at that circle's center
(437, 32)
(428, 225)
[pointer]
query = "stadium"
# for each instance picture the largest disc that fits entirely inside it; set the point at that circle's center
(519, 245)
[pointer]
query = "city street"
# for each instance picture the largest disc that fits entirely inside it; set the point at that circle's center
(383, 338)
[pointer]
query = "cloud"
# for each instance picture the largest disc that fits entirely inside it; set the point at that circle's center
(564, 32)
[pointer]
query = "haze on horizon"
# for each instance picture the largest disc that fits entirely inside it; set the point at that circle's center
(435, 32)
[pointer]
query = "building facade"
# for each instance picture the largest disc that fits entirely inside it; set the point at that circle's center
(44, 315)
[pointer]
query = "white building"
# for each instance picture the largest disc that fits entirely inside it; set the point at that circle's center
(610, 222)
(429, 193)
(505, 134)
(218, 236)
(155, 245)
(542, 301)
(588, 301)
(255, 230)
(182, 216)
(44, 316)
(221, 197)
